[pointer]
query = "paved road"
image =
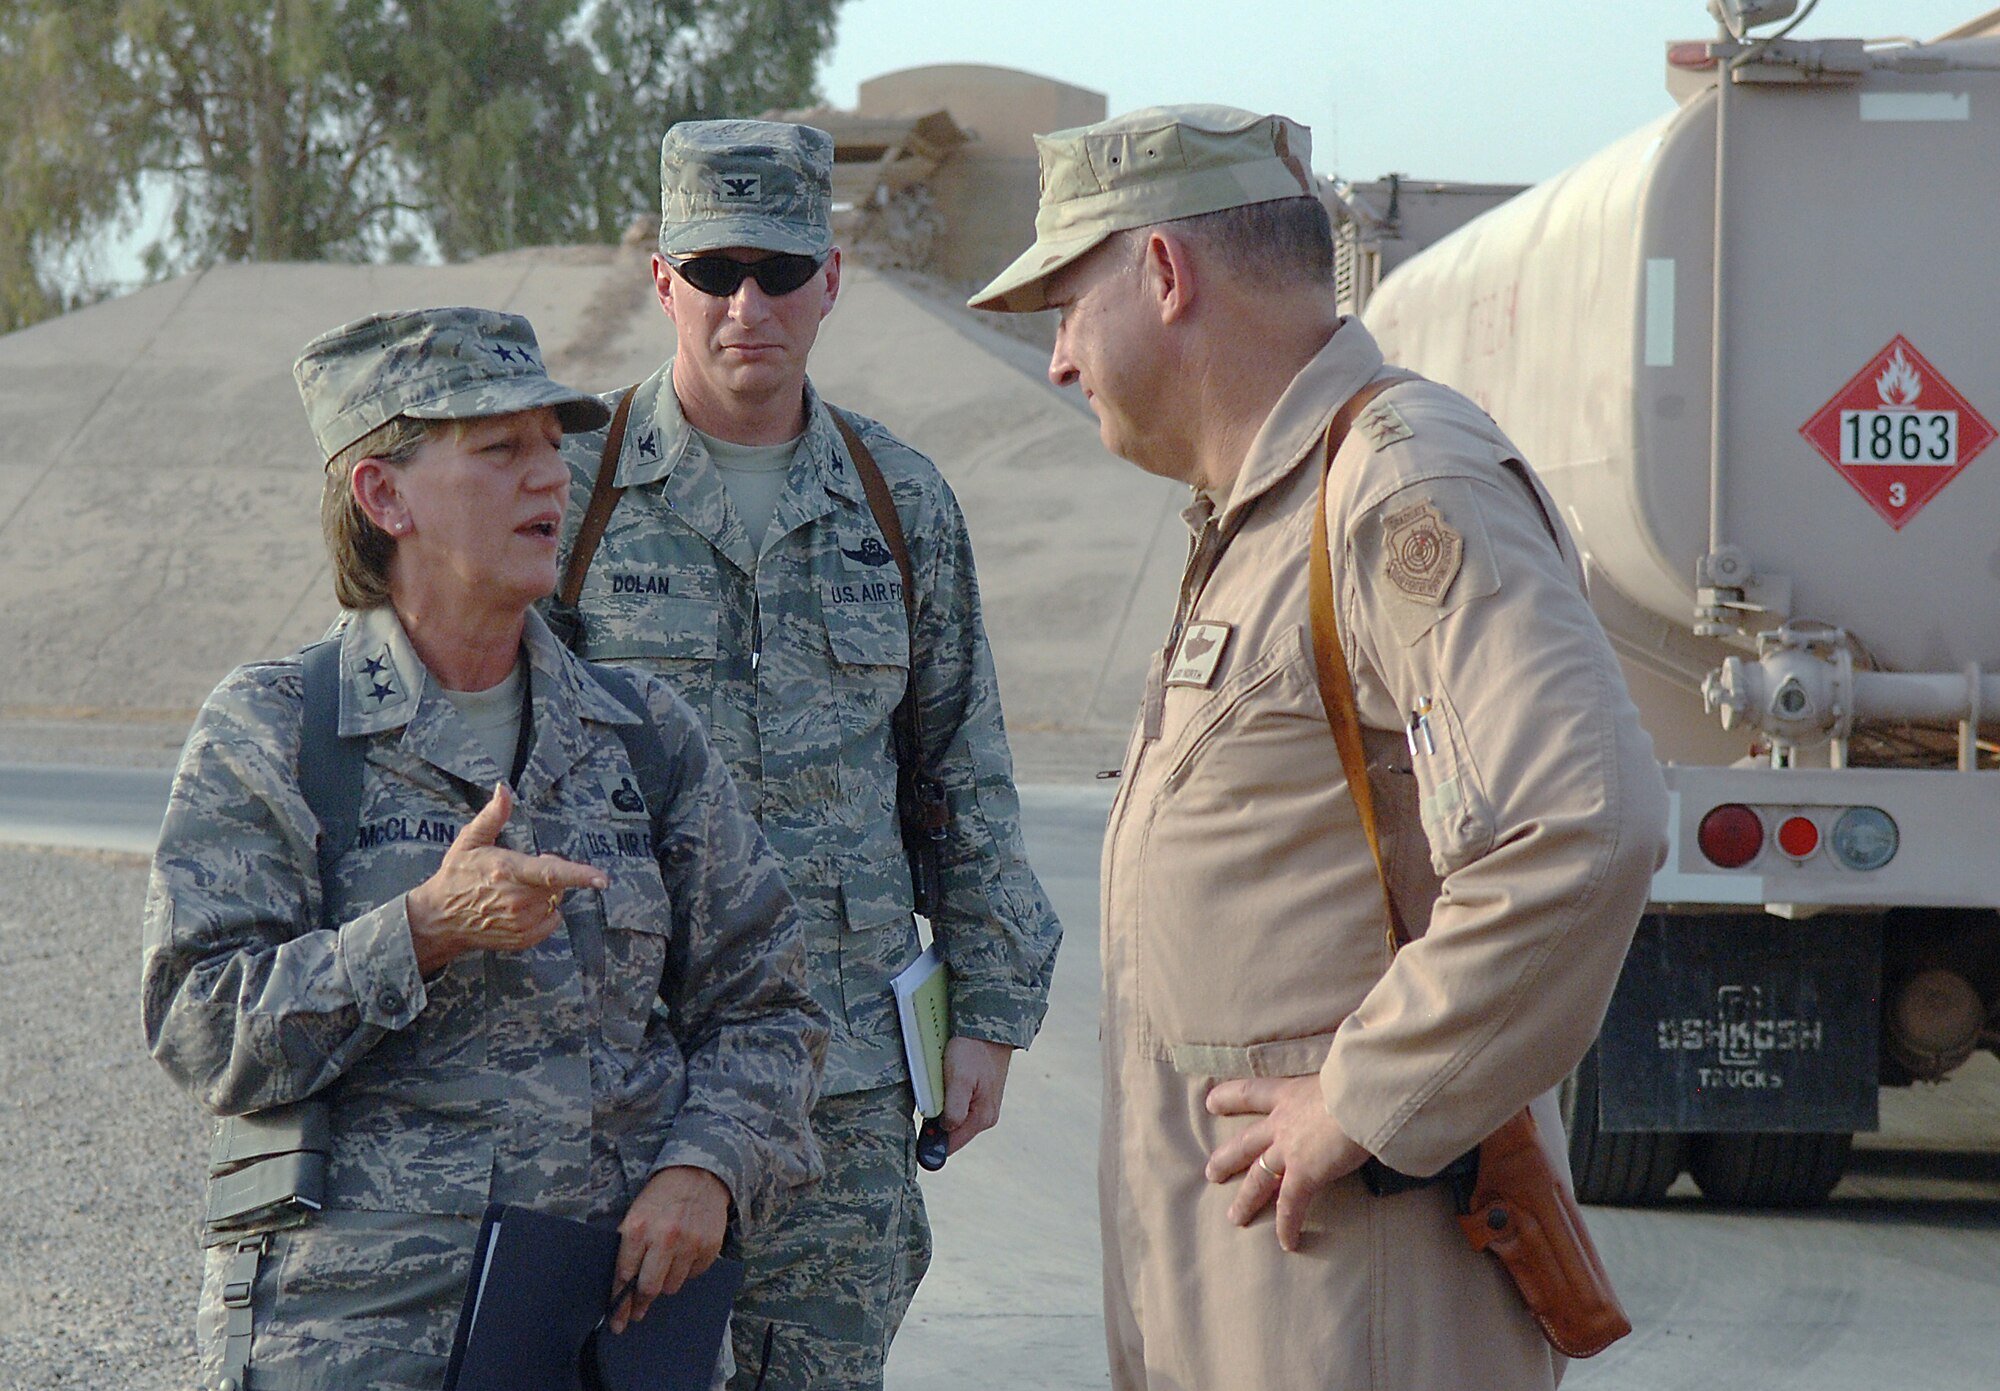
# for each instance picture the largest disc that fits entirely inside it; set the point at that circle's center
(1011, 1303)
(1895, 1283)
(82, 808)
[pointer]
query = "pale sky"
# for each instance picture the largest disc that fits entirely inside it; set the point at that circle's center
(1480, 90)
(1502, 91)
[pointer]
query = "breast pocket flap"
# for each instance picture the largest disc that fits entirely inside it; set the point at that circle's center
(671, 628)
(869, 635)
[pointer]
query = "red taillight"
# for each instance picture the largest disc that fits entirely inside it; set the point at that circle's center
(1731, 836)
(1798, 837)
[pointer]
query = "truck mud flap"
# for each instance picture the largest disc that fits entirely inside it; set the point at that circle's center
(1744, 1022)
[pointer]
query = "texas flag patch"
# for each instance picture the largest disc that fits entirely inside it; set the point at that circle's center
(1199, 654)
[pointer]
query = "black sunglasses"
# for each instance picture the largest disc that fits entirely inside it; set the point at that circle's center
(722, 277)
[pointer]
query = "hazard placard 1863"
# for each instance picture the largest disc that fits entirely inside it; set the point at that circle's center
(1898, 431)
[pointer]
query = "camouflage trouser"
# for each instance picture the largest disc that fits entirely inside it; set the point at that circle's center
(355, 1301)
(372, 1306)
(833, 1276)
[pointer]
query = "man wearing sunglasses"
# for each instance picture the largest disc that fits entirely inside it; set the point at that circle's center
(743, 560)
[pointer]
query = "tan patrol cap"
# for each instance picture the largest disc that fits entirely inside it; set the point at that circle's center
(1147, 166)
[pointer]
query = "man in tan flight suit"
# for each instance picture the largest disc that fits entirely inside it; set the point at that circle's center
(1260, 1043)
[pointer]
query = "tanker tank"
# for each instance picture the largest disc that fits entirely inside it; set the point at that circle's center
(1789, 532)
(1857, 213)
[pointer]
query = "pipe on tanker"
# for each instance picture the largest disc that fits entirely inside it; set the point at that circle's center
(1926, 697)
(1801, 699)
(1718, 299)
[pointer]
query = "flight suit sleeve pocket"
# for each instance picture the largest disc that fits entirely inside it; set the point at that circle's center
(670, 629)
(1451, 803)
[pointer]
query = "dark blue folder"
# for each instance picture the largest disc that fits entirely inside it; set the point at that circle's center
(539, 1286)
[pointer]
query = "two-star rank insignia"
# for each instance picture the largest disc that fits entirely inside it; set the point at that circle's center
(502, 353)
(375, 681)
(1422, 552)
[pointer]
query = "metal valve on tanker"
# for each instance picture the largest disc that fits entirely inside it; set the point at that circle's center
(1792, 692)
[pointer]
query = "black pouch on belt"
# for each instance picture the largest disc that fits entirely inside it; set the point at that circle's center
(1459, 1175)
(267, 1170)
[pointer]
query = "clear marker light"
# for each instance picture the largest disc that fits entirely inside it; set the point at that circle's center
(1864, 838)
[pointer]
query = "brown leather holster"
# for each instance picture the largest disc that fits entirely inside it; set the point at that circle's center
(1520, 1210)
(1523, 1213)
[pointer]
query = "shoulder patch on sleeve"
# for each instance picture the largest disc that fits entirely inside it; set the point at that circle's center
(1383, 425)
(1421, 551)
(1422, 554)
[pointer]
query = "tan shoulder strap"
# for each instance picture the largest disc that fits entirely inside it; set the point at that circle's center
(603, 497)
(1336, 684)
(921, 804)
(881, 504)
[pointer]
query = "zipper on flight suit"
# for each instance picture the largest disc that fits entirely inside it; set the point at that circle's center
(1203, 554)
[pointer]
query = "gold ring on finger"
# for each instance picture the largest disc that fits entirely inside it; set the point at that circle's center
(1264, 1163)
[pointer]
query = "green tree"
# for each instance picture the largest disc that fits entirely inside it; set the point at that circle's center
(357, 129)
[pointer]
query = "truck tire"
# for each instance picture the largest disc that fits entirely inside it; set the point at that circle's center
(1628, 1169)
(1768, 1168)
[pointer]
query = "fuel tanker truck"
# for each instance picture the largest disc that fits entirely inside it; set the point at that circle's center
(1753, 349)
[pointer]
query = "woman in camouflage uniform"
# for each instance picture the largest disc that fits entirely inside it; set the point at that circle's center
(520, 982)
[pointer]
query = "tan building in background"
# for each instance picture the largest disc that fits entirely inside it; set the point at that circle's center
(934, 169)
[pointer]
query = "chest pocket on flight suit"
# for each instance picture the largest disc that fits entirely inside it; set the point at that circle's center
(1233, 721)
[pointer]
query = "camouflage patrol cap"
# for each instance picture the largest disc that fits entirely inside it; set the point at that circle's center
(1147, 166)
(762, 184)
(430, 364)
